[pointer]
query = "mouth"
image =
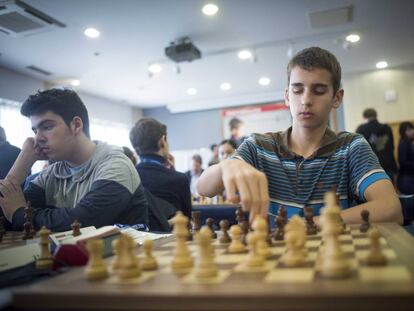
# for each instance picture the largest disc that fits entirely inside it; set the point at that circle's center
(306, 114)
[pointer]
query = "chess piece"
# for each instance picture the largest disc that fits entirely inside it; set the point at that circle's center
(76, 228)
(375, 257)
(196, 216)
(281, 221)
(28, 227)
(205, 267)
(45, 260)
(261, 228)
(182, 258)
(363, 228)
(254, 258)
(236, 245)
(245, 230)
(295, 238)
(334, 263)
(210, 224)
(128, 265)
(96, 268)
(224, 226)
(239, 216)
(149, 262)
(311, 228)
(115, 249)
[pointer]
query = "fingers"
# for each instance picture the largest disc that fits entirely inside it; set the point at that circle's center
(264, 196)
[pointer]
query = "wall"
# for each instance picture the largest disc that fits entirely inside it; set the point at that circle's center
(364, 90)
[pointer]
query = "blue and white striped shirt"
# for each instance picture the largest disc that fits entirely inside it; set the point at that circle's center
(344, 160)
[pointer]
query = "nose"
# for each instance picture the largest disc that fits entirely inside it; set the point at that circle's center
(39, 137)
(306, 98)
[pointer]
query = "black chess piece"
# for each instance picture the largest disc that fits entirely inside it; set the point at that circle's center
(28, 227)
(224, 226)
(210, 224)
(196, 216)
(76, 225)
(311, 228)
(364, 227)
(281, 221)
(239, 216)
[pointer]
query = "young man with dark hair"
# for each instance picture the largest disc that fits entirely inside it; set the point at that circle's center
(8, 154)
(296, 167)
(149, 139)
(226, 149)
(215, 155)
(194, 173)
(93, 183)
(236, 129)
(379, 136)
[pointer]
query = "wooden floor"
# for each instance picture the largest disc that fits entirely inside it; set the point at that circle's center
(390, 288)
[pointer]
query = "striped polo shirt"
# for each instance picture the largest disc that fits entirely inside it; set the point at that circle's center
(344, 160)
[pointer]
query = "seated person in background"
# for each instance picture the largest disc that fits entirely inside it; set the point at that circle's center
(130, 155)
(295, 168)
(8, 154)
(92, 182)
(406, 158)
(227, 149)
(236, 130)
(194, 174)
(215, 155)
(149, 139)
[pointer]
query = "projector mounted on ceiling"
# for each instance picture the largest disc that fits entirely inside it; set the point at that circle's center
(20, 19)
(182, 50)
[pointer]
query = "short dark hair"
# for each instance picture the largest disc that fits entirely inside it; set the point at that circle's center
(316, 57)
(235, 123)
(145, 135)
(213, 146)
(63, 102)
(404, 126)
(229, 142)
(369, 113)
(197, 158)
(2, 135)
(128, 152)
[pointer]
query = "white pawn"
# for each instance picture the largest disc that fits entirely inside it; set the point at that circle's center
(260, 226)
(236, 246)
(375, 257)
(182, 257)
(149, 262)
(128, 264)
(96, 268)
(205, 267)
(45, 261)
(295, 238)
(254, 258)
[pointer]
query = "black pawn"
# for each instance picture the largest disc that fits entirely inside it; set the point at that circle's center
(210, 224)
(224, 227)
(311, 228)
(281, 221)
(365, 221)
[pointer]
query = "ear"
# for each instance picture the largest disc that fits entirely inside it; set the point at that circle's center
(338, 98)
(162, 142)
(76, 125)
(287, 96)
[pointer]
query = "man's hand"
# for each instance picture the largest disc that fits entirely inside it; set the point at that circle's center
(12, 197)
(247, 185)
(32, 150)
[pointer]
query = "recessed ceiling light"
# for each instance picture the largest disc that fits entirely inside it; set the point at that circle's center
(155, 68)
(210, 9)
(353, 38)
(244, 54)
(264, 81)
(92, 33)
(191, 91)
(381, 65)
(225, 86)
(75, 82)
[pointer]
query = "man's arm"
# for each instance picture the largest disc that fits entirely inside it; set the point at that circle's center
(382, 203)
(243, 183)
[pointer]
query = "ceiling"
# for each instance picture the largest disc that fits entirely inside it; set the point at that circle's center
(135, 33)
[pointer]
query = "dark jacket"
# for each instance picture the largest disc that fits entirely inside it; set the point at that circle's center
(8, 154)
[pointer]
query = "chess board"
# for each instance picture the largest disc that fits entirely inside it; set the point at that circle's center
(13, 239)
(271, 287)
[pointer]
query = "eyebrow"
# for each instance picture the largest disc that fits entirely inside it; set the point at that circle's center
(42, 123)
(313, 85)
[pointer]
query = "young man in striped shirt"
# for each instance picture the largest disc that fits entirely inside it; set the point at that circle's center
(296, 167)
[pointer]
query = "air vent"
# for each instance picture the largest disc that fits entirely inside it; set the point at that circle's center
(20, 19)
(330, 18)
(39, 70)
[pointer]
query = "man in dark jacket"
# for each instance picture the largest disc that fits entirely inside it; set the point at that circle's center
(8, 154)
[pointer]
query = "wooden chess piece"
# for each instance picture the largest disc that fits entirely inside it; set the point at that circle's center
(128, 265)
(311, 228)
(260, 226)
(45, 261)
(364, 227)
(334, 263)
(182, 258)
(149, 262)
(210, 225)
(76, 228)
(245, 226)
(115, 249)
(224, 226)
(239, 215)
(196, 216)
(375, 256)
(295, 237)
(236, 246)
(28, 227)
(205, 267)
(254, 258)
(281, 221)
(96, 268)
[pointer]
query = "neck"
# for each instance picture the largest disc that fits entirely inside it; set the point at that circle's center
(83, 151)
(304, 141)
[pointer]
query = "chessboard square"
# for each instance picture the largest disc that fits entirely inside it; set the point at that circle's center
(385, 273)
(268, 265)
(230, 258)
(345, 237)
(348, 248)
(158, 253)
(278, 250)
(169, 244)
(312, 256)
(366, 241)
(388, 252)
(221, 276)
(163, 260)
(137, 280)
(290, 275)
(313, 243)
